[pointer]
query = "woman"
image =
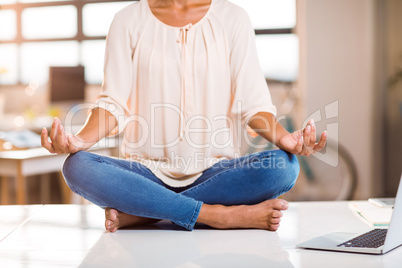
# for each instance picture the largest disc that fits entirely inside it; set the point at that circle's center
(179, 75)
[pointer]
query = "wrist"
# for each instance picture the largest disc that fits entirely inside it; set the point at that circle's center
(280, 134)
(80, 142)
(280, 144)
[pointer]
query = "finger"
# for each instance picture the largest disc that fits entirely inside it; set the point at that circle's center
(53, 130)
(306, 135)
(308, 150)
(322, 142)
(61, 141)
(299, 145)
(313, 134)
(45, 142)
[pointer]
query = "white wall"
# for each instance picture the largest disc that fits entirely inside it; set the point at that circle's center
(337, 44)
(393, 95)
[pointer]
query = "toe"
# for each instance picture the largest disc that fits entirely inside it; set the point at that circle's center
(108, 224)
(276, 214)
(111, 228)
(275, 221)
(111, 214)
(111, 221)
(279, 204)
(273, 227)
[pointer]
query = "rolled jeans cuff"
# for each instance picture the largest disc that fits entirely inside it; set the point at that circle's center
(194, 217)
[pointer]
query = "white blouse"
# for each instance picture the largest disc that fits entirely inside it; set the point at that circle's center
(179, 93)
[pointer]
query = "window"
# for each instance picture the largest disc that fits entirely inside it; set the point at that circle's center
(43, 33)
(8, 64)
(278, 55)
(92, 58)
(98, 17)
(277, 45)
(270, 14)
(38, 56)
(49, 22)
(5, 2)
(8, 17)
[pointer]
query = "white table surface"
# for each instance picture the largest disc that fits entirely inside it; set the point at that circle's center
(74, 236)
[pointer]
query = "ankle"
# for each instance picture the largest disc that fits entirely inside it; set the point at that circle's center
(213, 215)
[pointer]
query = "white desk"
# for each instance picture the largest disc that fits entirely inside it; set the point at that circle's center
(22, 163)
(73, 236)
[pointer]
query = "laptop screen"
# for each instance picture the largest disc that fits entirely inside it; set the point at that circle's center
(394, 235)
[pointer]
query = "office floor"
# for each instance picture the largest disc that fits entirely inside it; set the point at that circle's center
(73, 236)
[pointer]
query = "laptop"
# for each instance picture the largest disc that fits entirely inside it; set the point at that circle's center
(376, 241)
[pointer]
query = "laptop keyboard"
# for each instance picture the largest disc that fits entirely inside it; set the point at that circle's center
(372, 239)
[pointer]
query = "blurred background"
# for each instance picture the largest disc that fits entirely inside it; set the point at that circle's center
(337, 61)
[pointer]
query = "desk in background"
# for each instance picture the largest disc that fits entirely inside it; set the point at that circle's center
(22, 163)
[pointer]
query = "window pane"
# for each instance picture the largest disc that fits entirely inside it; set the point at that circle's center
(266, 14)
(49, 22)
(39, 1)
(6, 2)
(8, 64)
(7, 17)
(278, 55)
(98, 17)
(92, 58)
(37, 57)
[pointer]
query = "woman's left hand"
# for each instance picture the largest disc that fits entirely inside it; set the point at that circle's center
(303, 141)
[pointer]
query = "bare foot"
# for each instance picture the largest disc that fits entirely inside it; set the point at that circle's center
(116, 219)
(265, 215)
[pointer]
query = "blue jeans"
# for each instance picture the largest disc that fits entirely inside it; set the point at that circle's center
(132, 188)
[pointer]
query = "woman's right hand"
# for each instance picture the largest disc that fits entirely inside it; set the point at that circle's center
(60, 143)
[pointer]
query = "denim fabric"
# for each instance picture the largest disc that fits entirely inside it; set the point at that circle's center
(132, 188)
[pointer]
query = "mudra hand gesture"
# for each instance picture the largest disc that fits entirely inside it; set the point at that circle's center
(303, 141)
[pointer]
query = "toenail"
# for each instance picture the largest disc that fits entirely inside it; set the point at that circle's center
(285, 204)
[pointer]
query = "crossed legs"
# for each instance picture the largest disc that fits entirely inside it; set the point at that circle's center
(236, 193)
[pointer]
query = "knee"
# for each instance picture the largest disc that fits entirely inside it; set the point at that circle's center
(73, 163)
(74, 167)
(286, 168)
(273, 173)
(291, 170)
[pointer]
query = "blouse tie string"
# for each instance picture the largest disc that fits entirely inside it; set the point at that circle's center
(182, 39)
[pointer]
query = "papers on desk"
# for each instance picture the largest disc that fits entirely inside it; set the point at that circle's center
(371, 214)
(21, 139)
